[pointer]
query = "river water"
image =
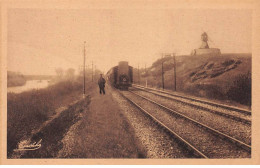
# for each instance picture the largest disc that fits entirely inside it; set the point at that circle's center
(30, 84)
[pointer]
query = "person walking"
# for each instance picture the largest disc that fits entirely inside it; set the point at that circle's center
(101, 84)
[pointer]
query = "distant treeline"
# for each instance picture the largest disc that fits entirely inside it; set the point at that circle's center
(15, 79)
(38, 77)
(18, 79)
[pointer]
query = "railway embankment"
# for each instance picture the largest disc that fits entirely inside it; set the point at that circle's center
(53, 130)
(225, 78)
(27, 112)
(93, 127)
(102, 132)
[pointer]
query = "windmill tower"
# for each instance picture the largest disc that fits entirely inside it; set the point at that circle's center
(204, 48)
(204, 39)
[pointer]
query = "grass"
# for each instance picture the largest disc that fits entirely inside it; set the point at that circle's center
(225, 78)
(240, 91)
(28, 110)
(52, 143)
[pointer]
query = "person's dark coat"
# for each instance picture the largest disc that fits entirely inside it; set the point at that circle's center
(101, 82)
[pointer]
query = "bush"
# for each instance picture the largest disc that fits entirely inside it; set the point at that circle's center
(240, 91)
(203, 90)
(15, 79)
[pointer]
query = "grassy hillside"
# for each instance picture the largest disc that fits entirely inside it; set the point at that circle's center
(226, 77)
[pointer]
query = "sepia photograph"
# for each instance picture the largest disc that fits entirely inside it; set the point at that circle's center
(139, 81)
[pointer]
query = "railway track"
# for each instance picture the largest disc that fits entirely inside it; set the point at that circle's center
(202, 140)
(231, 112)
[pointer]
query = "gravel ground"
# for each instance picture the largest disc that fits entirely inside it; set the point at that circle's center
(215, 108)
(236, 129)
(156, 142)
(209, 144)
(102, 132)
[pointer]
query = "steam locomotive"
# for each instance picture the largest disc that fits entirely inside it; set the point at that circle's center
(121, 76)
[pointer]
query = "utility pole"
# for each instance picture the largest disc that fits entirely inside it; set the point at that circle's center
(145, 76)
(138, 75)
(92, 71)
(162, 74)
(95, 73)
(175, 65)
(84, 87)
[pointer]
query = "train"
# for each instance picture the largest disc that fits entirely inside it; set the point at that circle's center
(120, 76)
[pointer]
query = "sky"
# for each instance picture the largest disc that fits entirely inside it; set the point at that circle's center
(42, 40)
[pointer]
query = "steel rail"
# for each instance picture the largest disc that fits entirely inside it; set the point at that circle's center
(247, 121)
(182, 140)
(234, 140)
(243, 111)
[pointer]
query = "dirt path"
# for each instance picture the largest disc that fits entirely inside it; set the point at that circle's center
(102, 132)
